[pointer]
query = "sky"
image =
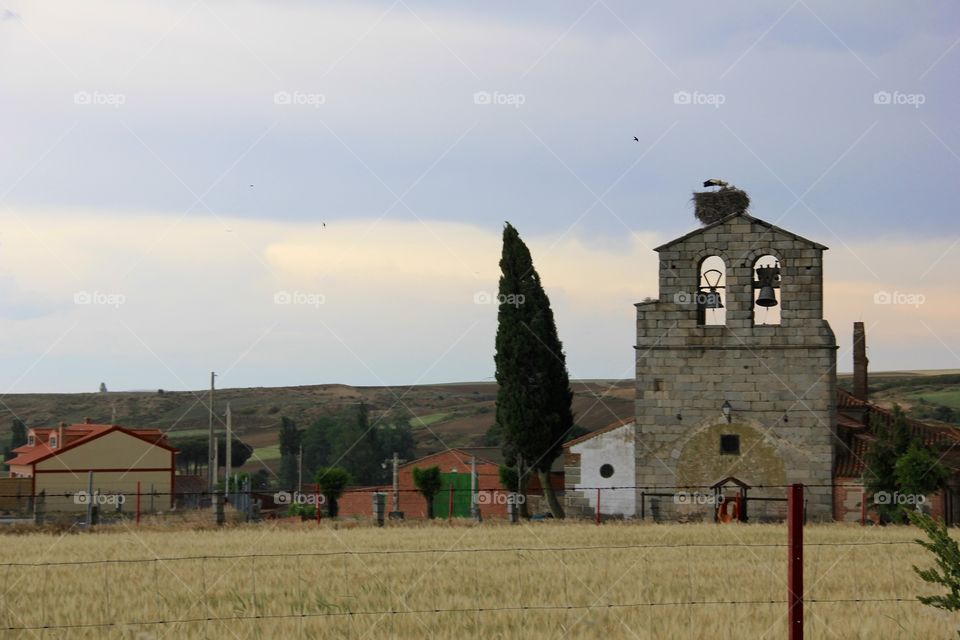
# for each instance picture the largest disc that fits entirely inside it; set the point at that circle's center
(307, 193)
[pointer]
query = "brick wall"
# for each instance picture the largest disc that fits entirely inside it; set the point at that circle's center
(358, 501)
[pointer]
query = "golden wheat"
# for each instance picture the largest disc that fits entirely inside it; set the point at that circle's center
(351, 584)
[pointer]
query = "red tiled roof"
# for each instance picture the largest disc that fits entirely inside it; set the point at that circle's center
(42, 450)
(31, 454)
(850, 462)
(867, 416)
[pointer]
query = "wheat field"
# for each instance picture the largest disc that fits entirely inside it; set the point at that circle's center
(330, 581)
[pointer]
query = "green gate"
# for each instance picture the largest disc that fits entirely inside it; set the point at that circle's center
(461, 496)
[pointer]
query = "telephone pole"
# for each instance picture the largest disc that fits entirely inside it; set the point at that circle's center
(211, 461)
(227, 463)
(300, 469)
(396, 513)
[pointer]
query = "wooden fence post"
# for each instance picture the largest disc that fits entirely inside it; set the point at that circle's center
(795, 513)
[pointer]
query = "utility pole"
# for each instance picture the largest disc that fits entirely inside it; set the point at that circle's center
(211, 461)
(474, 508)
(229, 466)
(396, 513)
(300, 469)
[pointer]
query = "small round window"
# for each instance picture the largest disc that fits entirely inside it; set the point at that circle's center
(606, 470)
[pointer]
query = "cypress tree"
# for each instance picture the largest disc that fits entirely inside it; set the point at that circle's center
(533, 396)
(289, 450)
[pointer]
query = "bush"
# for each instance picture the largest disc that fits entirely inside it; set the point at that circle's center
(332, 481)
(428, 484)
(947, 554)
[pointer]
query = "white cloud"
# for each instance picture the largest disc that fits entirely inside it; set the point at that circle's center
(397, 300)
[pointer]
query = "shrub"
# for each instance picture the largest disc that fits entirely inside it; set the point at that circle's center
(428, 484)
(947, 554)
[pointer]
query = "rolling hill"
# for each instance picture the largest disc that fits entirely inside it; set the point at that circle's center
(455, 414)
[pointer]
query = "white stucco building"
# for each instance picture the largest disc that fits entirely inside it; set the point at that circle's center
(605, 460)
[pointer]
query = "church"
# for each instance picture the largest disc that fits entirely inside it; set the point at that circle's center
(736, 391)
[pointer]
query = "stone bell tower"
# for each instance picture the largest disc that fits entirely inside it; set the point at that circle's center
(736, 368)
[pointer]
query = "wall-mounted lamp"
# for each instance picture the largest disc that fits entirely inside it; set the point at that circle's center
(726, 409)
(785, 418)
(679, 416)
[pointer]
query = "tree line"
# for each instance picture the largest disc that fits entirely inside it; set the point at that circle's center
(350, 440)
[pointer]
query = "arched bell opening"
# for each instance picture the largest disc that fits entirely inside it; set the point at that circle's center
(711, 292)
(766, 291)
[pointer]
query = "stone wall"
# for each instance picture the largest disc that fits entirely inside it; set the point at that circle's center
(779, 380)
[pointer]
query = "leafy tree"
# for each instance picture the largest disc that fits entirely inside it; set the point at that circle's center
(240, 451)
(192, 452)
(947, 570)
(18, 433)
(396, 435)
(358, 447)
(18, 437)
(892, 441)
(918, 472)
(428, 484)
(534, 397)
(316, 445)
(898, 464)
(508, 477)
(261, 479)
(332, 481)
(290, 439)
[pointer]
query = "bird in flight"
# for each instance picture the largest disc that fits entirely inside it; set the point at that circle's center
(251, 186)
(636, 139)
(715, 182)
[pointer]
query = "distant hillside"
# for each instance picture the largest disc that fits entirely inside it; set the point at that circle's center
(926, 395)
(457, 414)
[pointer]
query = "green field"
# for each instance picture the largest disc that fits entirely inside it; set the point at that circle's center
(427, 420)
(266, 454)
(947, 398)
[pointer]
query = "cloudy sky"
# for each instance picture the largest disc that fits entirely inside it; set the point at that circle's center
(301, 193)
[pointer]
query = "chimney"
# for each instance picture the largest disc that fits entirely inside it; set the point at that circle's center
(86, 420)
(860, 387)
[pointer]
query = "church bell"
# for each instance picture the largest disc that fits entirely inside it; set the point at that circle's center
(767, 279)
(709, 296)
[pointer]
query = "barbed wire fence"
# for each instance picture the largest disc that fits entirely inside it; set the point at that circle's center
(213, 564)
(681, 503)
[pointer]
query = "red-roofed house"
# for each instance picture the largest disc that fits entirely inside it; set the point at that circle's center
(856, 421)
(59, 460)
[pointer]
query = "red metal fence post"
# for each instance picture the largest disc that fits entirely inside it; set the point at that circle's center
(863, 508)
(795, 562)
(316, 502)
(138, 503)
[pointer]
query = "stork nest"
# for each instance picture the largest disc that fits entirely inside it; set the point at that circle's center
(710, 206)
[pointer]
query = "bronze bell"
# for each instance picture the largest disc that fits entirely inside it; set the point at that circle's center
(766, 297)
(767, 278)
